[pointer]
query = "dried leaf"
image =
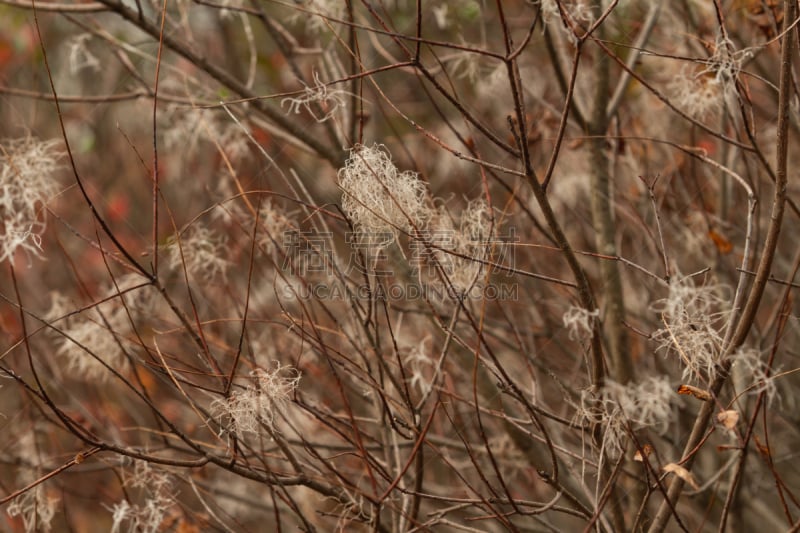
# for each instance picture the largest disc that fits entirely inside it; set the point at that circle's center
(723, 245)
(767, 15)
(728, 418)
(682, 473)
(644, 452)
(187, 527)
(698, 393)
(574, 144)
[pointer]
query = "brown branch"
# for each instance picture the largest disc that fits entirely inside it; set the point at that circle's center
(764, 268)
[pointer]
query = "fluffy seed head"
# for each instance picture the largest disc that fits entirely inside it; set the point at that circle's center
(27, 183)
(377, 197)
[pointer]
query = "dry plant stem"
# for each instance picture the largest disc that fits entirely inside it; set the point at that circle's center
(199, 335)
(77, 459)
(781, 181)
(99, 99)
(155, 193)
(490, 397)
(106, 229)
(437, 375)
(78, 429)
(73, 165)
(606, 495)
(605, 226)
(356, 121)
(223, 77)
(736, 474)
(562, 127)
(780, 316)
(91, 7)
(362, 441)
(287, 49)
(536, 455)
(208, 508)
(584, 289)
(470, 453)
(245, 311)
(435, 139)
(463, 112)
(658, 94)
(764, 268)
(636, 50)
(662, 246)
(203, 419)
(748, 243)
(555, 61)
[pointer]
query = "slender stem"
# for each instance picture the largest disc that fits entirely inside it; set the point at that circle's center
(762, 274)
(636, 50)
(604, 223)
(226, 79)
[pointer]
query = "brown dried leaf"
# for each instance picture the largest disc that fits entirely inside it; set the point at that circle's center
(682, 473)
(723, 245)
(644, 452)
(698, 393)
(728, 418)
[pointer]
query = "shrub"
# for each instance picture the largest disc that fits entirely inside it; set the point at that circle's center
(398, 266)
